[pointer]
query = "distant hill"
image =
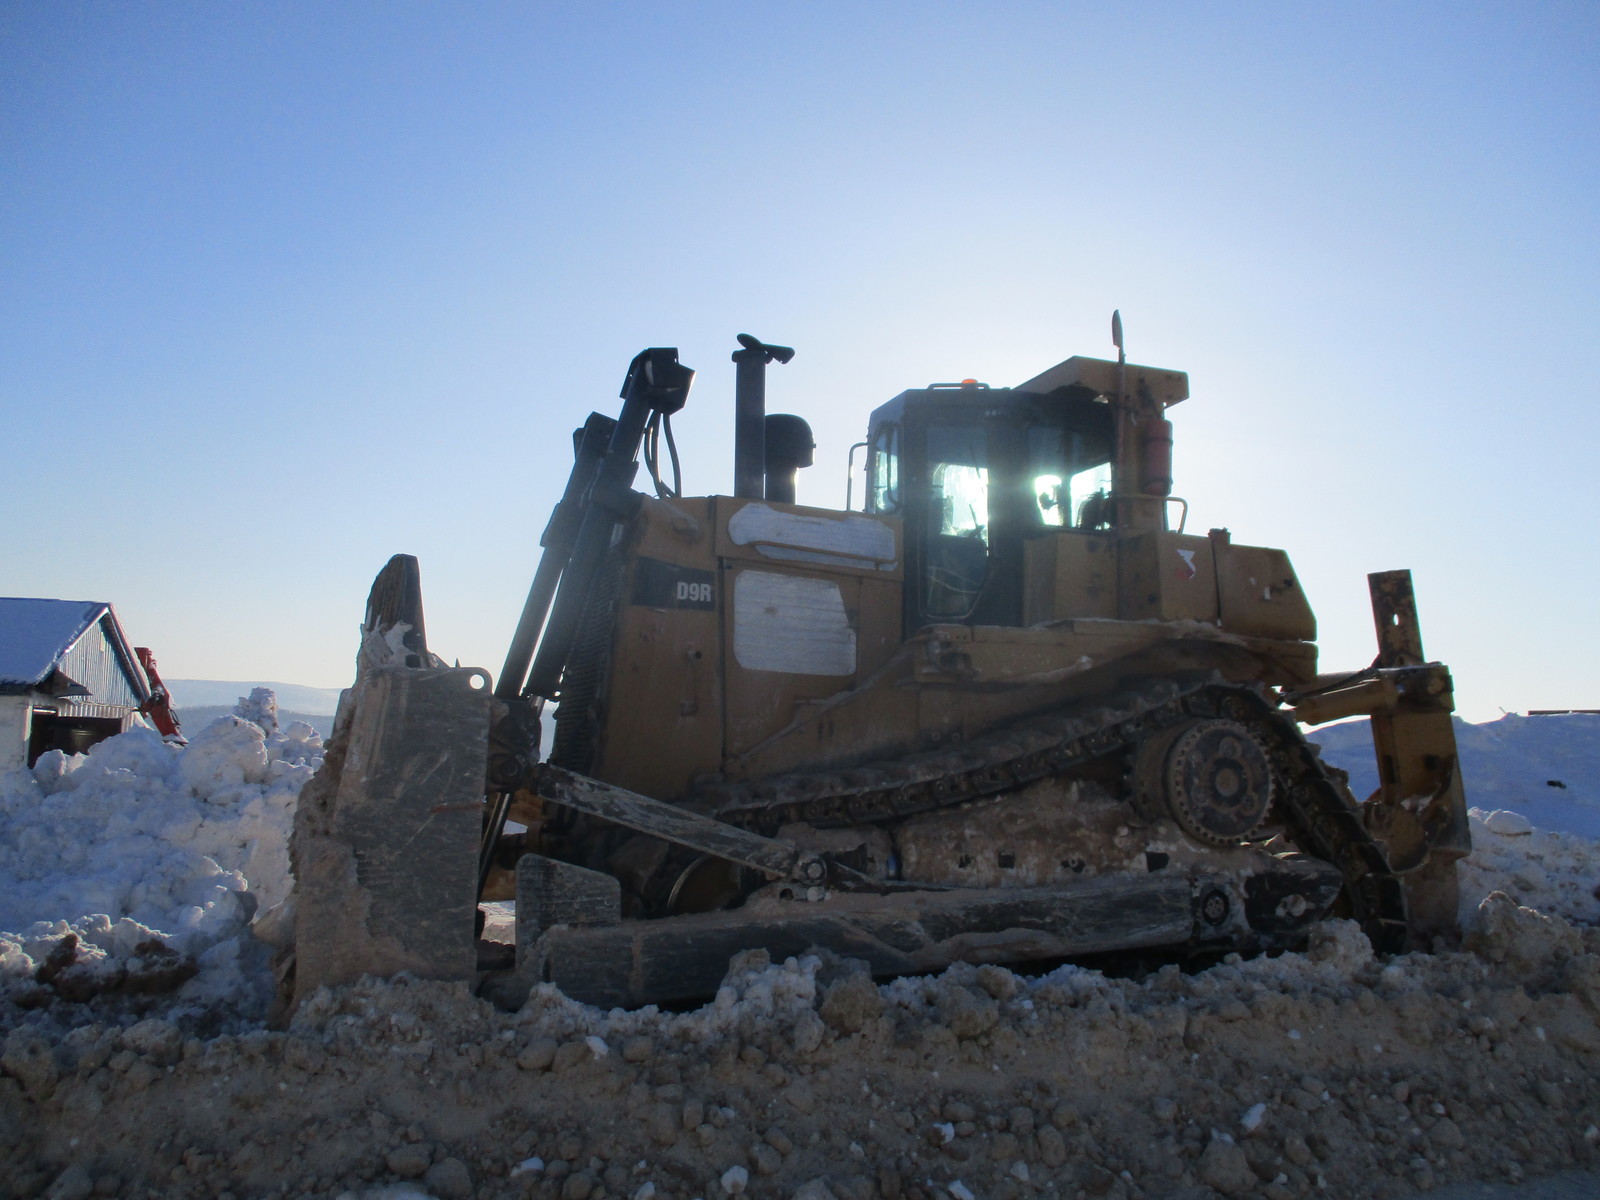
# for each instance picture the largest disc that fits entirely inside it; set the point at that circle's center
(198, 717)
(208, 693)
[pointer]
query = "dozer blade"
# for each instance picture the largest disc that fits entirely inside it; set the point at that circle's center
(773, 857)
(385, 838)
(391, 883)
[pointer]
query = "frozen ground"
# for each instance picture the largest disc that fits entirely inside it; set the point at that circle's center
(1317, 1074)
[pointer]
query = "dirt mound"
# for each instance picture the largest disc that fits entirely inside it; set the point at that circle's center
(1323, 1073)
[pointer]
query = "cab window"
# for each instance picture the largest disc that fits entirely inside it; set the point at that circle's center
(958, 470)
(957, 549)
(883, 492)
(1069, 478)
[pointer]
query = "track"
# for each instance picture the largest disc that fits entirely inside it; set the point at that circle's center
(1316, 811)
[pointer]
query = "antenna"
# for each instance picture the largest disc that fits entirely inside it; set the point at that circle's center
(1122, 509)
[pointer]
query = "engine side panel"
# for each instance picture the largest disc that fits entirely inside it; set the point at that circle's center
(811, 608)
(733, 617)
(661, 709)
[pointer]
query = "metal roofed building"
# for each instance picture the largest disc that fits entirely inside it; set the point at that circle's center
(68, 677)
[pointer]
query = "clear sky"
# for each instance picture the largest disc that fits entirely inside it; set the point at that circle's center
(287, 288)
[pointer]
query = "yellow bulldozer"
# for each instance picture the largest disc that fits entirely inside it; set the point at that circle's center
(1006, 710)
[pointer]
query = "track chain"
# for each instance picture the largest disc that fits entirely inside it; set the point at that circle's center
(1320, 818)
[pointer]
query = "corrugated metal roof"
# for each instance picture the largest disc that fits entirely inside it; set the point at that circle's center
(34, 634)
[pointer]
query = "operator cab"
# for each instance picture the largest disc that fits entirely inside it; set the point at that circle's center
(974, 473)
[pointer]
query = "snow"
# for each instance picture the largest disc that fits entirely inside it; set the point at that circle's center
(1555, 873)
(140, 839)
(1507, 823)
(34, 634)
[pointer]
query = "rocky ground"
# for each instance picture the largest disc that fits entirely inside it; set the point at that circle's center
(1326, 1073)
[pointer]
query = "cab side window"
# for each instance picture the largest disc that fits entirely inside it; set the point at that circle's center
(1069, 474)
(883, 492)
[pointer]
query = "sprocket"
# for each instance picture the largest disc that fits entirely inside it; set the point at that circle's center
(1217, 780)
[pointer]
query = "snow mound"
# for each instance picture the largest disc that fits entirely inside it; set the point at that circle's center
(1556, 873)
(124, 863)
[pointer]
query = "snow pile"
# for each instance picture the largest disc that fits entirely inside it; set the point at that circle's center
(1556, 873)
(1546, 768)
(756, 995)
(126, 862)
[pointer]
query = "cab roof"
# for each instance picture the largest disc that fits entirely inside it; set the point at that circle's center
(1100, 376)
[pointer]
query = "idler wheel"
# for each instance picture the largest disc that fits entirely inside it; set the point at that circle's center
(1217, 781)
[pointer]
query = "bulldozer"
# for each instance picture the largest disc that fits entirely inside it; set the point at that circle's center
(1004, 709)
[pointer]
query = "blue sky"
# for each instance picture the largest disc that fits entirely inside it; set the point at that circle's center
(287, 288)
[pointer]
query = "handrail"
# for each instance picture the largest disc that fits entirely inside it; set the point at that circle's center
(1183, 520)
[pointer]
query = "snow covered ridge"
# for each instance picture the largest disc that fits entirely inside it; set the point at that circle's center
(153, 858)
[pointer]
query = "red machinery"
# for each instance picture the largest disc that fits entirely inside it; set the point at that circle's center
(159, 707)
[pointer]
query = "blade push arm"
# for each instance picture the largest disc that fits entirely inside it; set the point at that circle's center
(779, 859)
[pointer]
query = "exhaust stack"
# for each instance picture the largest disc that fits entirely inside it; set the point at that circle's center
(750, 414)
